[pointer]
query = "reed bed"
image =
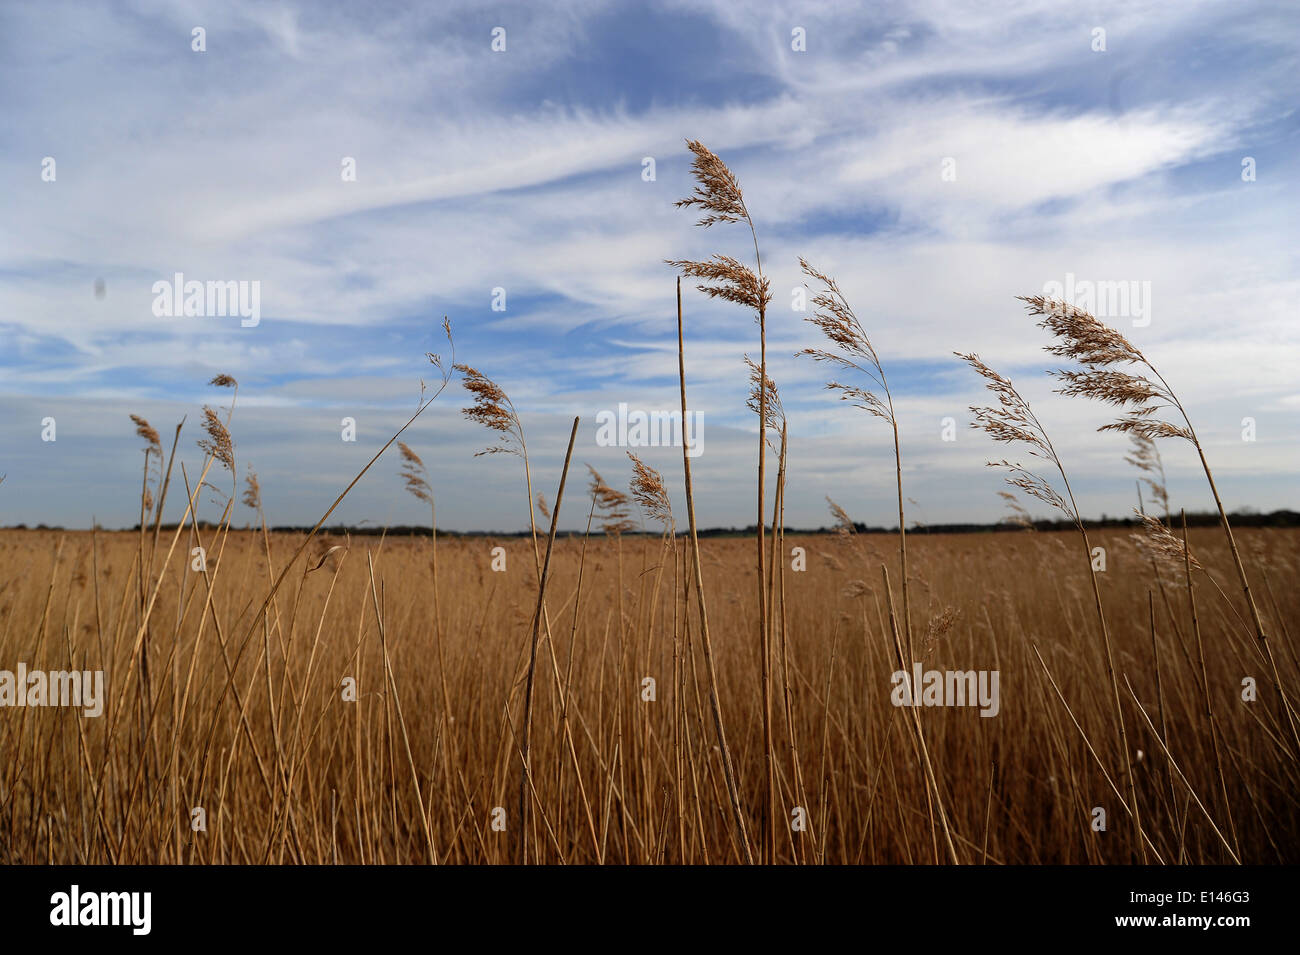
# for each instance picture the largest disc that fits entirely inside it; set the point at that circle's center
(291, 772)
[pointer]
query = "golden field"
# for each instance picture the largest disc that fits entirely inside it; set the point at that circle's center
(245, 717)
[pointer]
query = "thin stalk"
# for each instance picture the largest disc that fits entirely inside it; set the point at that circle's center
(526, 773)
(729, 771)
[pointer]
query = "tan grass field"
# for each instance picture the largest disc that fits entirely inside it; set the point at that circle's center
(257, 733)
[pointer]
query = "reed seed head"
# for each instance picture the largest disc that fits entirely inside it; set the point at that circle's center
(217, 443)
(717, 191)
(492, 409)
(649, 491)
(610, 504)
(414, 474)
(252, 491)
(1018, 517)
(1145, 456)
(731, 280)
(843, 523)
(1097, 347)
(1014, 422)
(1080, 336)
(775, 410)
(1155, 540)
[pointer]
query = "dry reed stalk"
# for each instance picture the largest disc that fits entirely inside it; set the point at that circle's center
(493, 409)
(772, 419)
(853, 351)
(916, 722)
(796, 767)
(1205, 680)
(717, 192)
(648, 490)
(1160, 689)
(526, 770)
(153, 446)
(733, 790)
(397, 702)
(1092, 750)
(1174, 764)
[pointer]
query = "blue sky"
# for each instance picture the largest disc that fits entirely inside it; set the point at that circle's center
(522, 170)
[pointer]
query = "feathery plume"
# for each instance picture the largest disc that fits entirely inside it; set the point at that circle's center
(252, 491)
(1018, 517)
(649, 492)
(939, 627)
(144, 430)
(843, 523)
(217, 443)
(1014, 422)
(1155, 540)
(732, 280)
(611, 505)
(1079, 336)
(414, 474)
(835, 318)
(1145, 456)
(717, 191)
(775, 410)
(492, 409)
